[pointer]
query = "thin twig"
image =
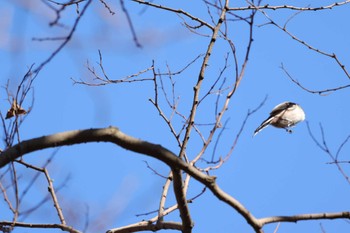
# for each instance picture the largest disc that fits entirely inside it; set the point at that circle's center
(154, 171)
(320, 92)
(131, 26)
(63, 44)
(50, 189)
(284, 29)
(324, 147)
(289, 7)
(40, 226)
(177, 11)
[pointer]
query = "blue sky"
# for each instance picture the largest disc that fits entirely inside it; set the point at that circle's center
(274, 173)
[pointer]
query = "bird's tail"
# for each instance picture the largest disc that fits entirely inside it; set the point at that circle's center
(263, 125)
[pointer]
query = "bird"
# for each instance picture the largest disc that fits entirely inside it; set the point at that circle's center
(285, 115)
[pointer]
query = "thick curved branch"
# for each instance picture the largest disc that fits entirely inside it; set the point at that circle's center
(110, 134)
(114, 135)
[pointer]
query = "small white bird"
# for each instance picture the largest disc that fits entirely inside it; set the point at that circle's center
(284, 115)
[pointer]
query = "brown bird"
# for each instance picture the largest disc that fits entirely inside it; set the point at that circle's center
(15, 110)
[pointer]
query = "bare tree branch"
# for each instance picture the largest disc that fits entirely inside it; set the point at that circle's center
(146, 226)
(214, 27)
(201, 77)
(320, 92)
(289, 7)
(66, 39)
(324, 147)
(303, 217)
(177, 11)
(39, 226)
(163, 197)
(131, 26)
(51, 190)
(104, 79)
(180, 195)
(114, 135)
(284, 29)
